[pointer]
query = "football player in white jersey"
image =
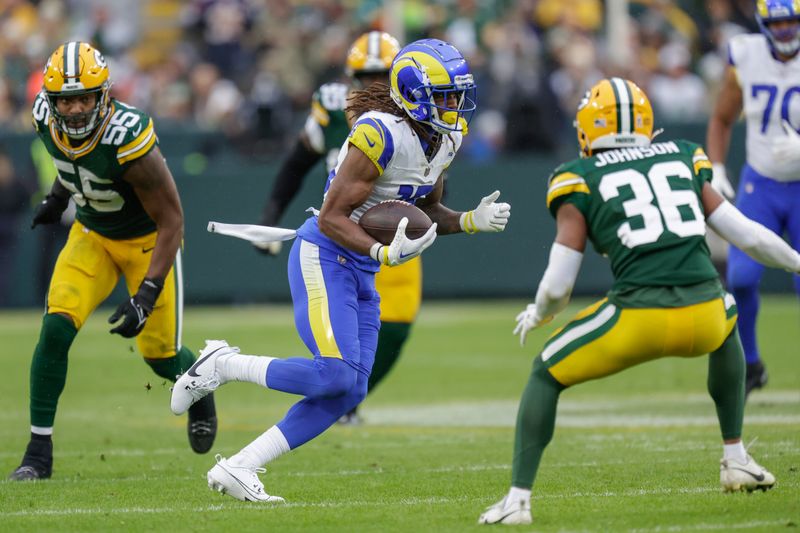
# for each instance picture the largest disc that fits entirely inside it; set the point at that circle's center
(763, 80)
(404, 138)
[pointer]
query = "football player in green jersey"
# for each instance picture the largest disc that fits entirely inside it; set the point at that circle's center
(645, 205)
(368, 61)
(129, 221)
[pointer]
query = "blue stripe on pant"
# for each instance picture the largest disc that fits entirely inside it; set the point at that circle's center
(776, 205)
(337, 315)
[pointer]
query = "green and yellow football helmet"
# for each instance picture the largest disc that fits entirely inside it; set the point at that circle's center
(372, 53)
(615, 113)
(77, 68)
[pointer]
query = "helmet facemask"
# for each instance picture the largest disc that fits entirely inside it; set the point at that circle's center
(429, 103)
(79, 125)
(785, 39)
(446, 118)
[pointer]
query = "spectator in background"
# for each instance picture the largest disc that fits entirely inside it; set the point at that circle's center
(222, 26)
(678, 94)
(216, 100)
(722, 28)
(14, 197)
(576, 55)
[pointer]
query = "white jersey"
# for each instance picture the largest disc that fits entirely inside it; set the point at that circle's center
(771, 92)
(406, 173)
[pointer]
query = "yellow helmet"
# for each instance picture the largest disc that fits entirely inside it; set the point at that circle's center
(77, 68)
(372, 53)
(615, 113)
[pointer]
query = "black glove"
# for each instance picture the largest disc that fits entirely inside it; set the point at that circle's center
(50, 209)
(134, 312)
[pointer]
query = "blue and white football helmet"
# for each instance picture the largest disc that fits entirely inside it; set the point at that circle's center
(427, 77)
(784, 41)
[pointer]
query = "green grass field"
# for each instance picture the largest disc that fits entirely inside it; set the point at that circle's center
(635, 452)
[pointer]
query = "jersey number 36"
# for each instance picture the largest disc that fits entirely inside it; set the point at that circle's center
(655, 203)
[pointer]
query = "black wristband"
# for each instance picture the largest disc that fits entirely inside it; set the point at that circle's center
(148, 293)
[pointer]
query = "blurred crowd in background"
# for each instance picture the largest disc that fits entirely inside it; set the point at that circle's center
(248, 67)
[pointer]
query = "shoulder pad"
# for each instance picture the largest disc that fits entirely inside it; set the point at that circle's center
(40, 112)
(131, 131)
(566, 180)
(371, 136)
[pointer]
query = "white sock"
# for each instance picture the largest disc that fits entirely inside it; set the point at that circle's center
(266, 448)
(517, 494)
(734, 451)
(37, 430)
(240, 367)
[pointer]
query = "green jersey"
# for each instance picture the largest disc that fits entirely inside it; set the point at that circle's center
(92, 171)
(327, 125)
(643, 211)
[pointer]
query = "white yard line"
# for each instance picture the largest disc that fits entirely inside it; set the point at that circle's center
(717, 527)
(404, 502)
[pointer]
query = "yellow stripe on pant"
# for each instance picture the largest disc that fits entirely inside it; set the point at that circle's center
(319, 316)
(603, 339)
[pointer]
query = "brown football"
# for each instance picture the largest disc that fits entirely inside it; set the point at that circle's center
(381, 220)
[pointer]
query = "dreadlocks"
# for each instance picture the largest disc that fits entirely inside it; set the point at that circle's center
(376, 98)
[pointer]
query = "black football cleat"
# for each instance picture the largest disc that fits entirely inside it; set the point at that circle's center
(37, 463)
(350, 419)
(755, 377)
(202, 424)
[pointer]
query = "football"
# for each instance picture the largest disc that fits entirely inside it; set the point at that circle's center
(380, 221)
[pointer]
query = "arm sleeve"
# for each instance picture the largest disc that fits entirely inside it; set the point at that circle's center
(752, 238)
(288, 181)
(558, 280)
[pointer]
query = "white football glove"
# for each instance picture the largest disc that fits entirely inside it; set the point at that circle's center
(527, 320)
(488, 216)
(269, 248)
(402, 248)
(720, 182)
(786, 150)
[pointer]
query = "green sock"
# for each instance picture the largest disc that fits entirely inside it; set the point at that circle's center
(391, 338)
(49, 368)
(536, 421)
(726, 373)
(172, 367)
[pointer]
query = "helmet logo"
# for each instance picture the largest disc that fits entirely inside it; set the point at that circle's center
(99, 59)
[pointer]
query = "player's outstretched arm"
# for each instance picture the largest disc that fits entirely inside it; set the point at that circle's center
(153, 184)
(445, 218)
(559, 278)
(755, 240)
(488, 216)
(287, 184)
(720, 126)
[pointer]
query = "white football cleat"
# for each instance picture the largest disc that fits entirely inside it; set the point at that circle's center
(507, 512)
(735, 476)
(240, 482)
(201, 379)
